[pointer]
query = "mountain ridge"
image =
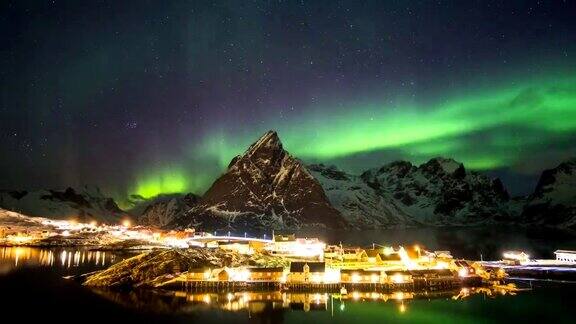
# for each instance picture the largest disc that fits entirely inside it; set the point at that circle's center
(267, 188)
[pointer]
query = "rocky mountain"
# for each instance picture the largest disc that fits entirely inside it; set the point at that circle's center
(84, 205)
(360, 204)
(554, 199)
(441, 192)
(165, 209)
(265, 188)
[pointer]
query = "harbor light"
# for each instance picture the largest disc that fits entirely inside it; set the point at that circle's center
(398, 278)
(207, 274)
(402, 308)
(516, 256)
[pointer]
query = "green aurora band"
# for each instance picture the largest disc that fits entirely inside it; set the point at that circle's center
(166, 181)
(486, 130)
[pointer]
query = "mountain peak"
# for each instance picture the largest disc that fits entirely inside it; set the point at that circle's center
(447, 165)
(268, 141)
(264, 188)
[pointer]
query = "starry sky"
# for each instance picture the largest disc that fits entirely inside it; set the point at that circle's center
(150, 97)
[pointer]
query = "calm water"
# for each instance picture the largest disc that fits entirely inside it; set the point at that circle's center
(544, 302)
(31, 278)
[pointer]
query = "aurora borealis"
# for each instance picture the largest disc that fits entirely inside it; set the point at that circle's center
(145, 97)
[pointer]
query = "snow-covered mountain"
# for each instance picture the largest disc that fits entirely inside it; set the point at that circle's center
(360, 204)
(441, 192)
(554, 199)
(265, 188)
(84, 205)
(165, 209)
(438, 192)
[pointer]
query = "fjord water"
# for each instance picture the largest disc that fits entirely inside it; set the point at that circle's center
(31, 279)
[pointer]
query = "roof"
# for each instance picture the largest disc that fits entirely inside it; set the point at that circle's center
(565, 251)
(390, 257)
(313, 266)
(284, 237)
(276, 269)
(400, 272)
(198, 270)
(372, 253)
(359, 271)
(423, 272)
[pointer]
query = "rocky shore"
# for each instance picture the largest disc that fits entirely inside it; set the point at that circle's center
(156, 267)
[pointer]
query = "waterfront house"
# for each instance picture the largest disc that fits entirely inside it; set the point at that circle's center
(306, 272)
(432, 274)
(223, 274)
(332, 252)
(353, 255)
(398, 277)
(198, 274)
(392, 260)
(265, 274)
(362, 276)
(374, 256)
(565, 255)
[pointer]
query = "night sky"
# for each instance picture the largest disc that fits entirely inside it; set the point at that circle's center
(152, 97)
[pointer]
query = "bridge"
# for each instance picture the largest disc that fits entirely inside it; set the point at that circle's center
(205, 239)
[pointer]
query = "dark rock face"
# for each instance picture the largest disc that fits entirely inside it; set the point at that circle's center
(441, 192)
(68, 195)
(265, 188)
(17, 194)
(554, 199)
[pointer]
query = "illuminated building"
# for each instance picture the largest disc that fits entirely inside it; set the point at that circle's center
(399, 277)
(362, 276)
(306, 272)
(432, 274)
(353, 255)
(566, 256)
(516, 256)
(290, 246)
(373, 256)
(266, 274)
(332, 252)
(198, 274)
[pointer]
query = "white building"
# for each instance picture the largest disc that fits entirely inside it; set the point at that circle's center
(566, 256)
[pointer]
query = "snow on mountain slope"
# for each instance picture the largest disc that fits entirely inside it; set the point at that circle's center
(165, 209)
(85, 205)
(360, 204)
(441, 192)
(265, 188)
(554, 199)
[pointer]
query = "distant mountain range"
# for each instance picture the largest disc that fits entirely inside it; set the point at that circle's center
(267, 188)
(86, 204)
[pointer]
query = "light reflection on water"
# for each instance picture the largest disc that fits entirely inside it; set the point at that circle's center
(12, 258)
(257, 302)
